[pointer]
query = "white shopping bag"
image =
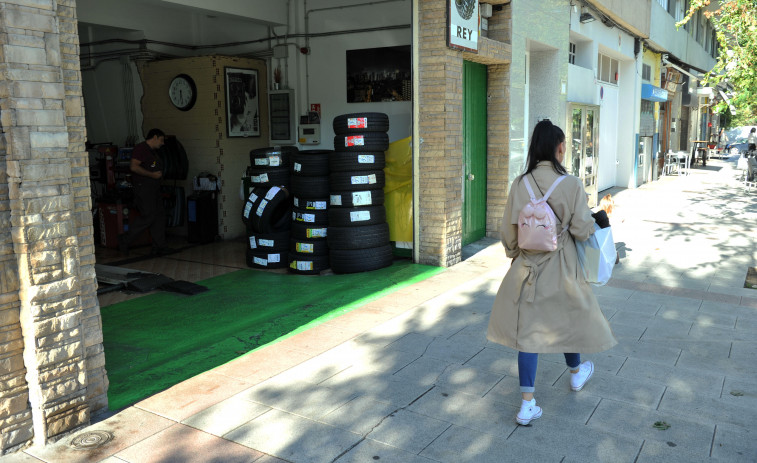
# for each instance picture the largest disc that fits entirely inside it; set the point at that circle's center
(597, 256)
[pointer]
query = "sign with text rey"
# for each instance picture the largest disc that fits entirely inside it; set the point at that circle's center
(463, 25)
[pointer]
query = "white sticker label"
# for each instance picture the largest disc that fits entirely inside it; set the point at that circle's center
(297, 167)
(361, 198)
(266, 243)
(261, 162)
(304, 265)
(309, 218)
(336, 200)
(317, 205)
(252, 243)
(253, 197)
(366, 159)
(247, 208)
(272, 192)
(360, 216)
(305, 248)
(274, 161)
(274, 258)
(359, 180)
(354, 140)
(261, 208)
(357, 122)
(316, 233)
(262, 178)
(260, 261)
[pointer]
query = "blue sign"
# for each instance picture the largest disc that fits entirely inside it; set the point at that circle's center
(652, 93)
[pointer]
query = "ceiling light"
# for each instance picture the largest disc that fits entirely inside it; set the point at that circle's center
(586, 17)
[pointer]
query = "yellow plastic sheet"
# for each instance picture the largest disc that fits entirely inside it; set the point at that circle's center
(398, 191)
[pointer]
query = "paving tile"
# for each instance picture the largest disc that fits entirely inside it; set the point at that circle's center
(366, 356)
(22, 457)
(270, 459)
(193, 395)
(608, 291)
(647, 351)
(301, 398)
(634, 305)
(318, 339)
(631, 420)
(667, 330)
(547, 375)
(263, 363)
(724, 308)
(414, 343)
(697, 317)
(496, 360)
(627, 317)
(735, 366)
(376, 385)
(578, 441)
(225, 416)
(183, 444)
(678, 379)
(735, 443)
(465, 378)
(627, 333)
(408, 431)
(462, 444)
(740, 392)
(129, 426)
(359, 415)
(485, 415)
(423, 370)
(668, 452)
(294, 438)
(719, 332)
(622, 389)
(704, 408)
(369, 450)
(454, 350)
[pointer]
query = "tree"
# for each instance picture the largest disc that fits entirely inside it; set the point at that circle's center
(735, 23)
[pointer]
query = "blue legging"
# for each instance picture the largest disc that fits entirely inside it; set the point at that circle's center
(527, 368)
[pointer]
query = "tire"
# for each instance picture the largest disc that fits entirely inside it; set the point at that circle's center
(357, 180)
(366, 141)
(368, 236)
(251, 203)
(269, 177)
(272, 211)
(267, 260)
(356, 198)
(307, 264)
(309, 187)
(311, 204)
(311, 163)
(356, 216)
(269, 242)
(361, 122)
(277, 156)
(174, 158)
(303, 231)
(360, 260)
(344, 161)
(309, 247)
(310, 217)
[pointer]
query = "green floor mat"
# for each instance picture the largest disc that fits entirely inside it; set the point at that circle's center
(156, 341)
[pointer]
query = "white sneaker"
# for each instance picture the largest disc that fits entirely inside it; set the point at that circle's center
(579, 379)
(528, 411)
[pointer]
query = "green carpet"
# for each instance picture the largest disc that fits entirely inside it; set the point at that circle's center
(156, 341)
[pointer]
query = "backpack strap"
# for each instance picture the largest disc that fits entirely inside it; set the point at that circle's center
(554, 185)
(530, 190)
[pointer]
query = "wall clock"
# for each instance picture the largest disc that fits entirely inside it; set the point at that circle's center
(182, 92)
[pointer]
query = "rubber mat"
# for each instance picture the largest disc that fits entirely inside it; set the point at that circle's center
(161, 339)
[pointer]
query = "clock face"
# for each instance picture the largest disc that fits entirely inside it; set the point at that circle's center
(182, 92)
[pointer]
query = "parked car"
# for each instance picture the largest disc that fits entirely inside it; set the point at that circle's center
(739, 146)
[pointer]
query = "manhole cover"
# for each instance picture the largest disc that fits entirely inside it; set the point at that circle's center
(91, 440)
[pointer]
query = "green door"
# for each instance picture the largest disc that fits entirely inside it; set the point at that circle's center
(474, 152)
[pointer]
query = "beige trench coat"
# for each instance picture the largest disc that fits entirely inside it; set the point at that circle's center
(543, 306)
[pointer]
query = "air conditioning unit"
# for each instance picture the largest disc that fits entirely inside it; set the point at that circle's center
(485, 10)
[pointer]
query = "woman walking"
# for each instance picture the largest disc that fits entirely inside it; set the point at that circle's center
(544, 305)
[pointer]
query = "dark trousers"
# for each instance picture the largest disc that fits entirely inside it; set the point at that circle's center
(149, 202)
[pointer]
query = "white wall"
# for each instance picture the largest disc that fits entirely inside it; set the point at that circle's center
(678, 42)
(534, 26)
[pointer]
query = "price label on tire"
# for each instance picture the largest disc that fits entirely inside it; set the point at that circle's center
(272, 192)
(363, 179)
(316, 233)
(274, 161)
(272, 258)
(247, 208)
(253, 245)
(366, 159)
(354, 140)
(261, 162)
(253, 197)
(361, 198)
(357, 122)
(304, 248)
(266, 243)
(336, 200)
(360, 216)
(261, 208)
(297, 167)
(304, 265)
(260, 261)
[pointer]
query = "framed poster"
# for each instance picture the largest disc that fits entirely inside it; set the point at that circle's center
(463, 25)
(379, 74)
(242, 103)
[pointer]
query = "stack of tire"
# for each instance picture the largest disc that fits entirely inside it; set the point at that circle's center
(308, 250)
(267, 208)
(358, 236)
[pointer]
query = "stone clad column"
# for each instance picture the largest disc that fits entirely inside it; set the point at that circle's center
(49, 314)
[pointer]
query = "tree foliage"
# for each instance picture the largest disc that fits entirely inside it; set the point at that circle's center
(735, 23)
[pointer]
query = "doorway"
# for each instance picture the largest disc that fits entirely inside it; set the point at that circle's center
(474, 152)
(581, 158)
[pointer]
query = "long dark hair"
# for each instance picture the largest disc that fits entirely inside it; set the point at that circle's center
(543, 147)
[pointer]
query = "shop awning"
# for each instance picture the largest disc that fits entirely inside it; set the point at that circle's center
(652, 93)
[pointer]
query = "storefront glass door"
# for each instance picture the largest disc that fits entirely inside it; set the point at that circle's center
(583, 147)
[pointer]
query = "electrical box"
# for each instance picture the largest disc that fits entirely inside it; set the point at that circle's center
(310, 134)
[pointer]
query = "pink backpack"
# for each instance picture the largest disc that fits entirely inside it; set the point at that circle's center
(537, 224)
